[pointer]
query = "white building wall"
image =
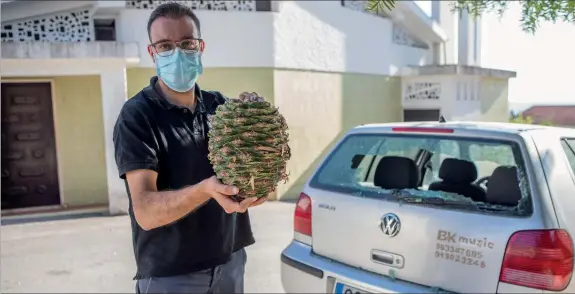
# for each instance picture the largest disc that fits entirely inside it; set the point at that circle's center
(467, 106)
(458, 97)
(325, 36)
(308, 35)
(233, 38)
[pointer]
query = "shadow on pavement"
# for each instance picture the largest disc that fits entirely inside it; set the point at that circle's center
(34, 219)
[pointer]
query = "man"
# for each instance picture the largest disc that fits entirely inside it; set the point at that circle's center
(188, 234)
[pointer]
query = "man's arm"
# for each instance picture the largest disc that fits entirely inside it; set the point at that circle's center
(136, 150)
(154, 209)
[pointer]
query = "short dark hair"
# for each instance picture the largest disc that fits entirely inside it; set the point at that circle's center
(173, 10)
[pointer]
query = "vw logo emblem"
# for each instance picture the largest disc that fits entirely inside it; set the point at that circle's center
(390, 224)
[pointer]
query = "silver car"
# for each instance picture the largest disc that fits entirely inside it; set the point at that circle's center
(438, 207)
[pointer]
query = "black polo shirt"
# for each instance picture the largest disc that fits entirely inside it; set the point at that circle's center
(152, 133)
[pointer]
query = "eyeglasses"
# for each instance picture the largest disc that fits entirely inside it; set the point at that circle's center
(167, 48)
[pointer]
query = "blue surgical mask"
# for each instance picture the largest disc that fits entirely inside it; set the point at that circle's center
(181, 70)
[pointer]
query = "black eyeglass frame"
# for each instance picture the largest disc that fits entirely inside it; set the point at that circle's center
(178, 45)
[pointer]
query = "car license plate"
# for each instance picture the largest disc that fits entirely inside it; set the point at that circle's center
(341, 288)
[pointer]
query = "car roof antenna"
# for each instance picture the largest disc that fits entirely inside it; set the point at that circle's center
(442, 119)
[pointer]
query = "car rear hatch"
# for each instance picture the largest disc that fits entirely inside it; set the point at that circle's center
(440, 240)
(452, 250)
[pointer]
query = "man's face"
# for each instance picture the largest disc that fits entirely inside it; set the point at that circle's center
(171, 29)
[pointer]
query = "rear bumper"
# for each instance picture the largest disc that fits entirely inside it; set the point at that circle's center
(303, 271)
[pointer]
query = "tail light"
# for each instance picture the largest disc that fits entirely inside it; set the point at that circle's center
(541, 259)
(302, 215)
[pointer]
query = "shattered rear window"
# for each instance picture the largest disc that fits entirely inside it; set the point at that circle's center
(484, 175)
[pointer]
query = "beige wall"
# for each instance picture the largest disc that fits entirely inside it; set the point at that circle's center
(318, 106)
(494, 99)
(79, 139)
(137, 79)
(233, 81)
(230, 81)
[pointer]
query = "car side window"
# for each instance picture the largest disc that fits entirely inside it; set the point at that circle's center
(366, 166)
(404, 148)
(444, 149)
(569, 149)
(488, 157)
(339, 166)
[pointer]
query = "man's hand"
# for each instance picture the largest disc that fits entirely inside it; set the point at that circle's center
(213, 188)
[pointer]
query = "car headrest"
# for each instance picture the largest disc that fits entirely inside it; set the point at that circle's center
(395, 172)
(457, 171)
(503, 186)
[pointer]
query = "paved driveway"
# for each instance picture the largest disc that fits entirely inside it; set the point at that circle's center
(95, 254)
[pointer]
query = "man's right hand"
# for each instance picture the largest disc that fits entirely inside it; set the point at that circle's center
(213, 188)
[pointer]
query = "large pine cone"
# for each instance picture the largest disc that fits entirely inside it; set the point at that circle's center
(248, 145)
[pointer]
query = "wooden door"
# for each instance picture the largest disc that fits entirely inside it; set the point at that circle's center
(29, 163)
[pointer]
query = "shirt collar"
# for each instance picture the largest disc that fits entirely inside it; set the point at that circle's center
(153, 92)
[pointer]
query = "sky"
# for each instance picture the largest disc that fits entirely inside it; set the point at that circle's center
(544, 62)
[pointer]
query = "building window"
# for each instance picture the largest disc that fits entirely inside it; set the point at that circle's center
(105, 29)
(422, 91)
(410, 115)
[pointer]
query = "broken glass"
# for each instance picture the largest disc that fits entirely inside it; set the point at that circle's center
(340, 173)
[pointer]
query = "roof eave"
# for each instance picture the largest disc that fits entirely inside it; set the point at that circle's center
(418, 22)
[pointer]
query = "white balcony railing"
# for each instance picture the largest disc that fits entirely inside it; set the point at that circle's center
(52, 50)
(77, 25)
(65, 26)
(400, 34)
(250, 5)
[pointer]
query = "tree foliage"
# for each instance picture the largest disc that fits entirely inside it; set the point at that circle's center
(522, 119)
(532, 12)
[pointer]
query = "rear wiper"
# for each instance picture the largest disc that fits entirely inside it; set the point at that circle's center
(487, 206)
(441, 202)
(402, 197)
